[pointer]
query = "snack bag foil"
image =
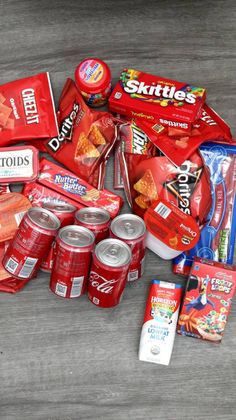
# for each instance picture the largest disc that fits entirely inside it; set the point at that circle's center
(146, 178)
(179, 146)
(85, 138)
(218, 234)
(27, 110)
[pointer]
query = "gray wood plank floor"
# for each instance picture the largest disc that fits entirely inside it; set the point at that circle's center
(64, 360)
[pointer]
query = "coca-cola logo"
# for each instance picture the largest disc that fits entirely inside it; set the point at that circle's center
(101, 284)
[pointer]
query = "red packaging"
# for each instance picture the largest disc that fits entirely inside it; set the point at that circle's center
(95, 219)
(68, 184)
(146, 178)
(154, 98)
(4, 189)
(65, 213)
(207, 300)
(13, 207)
(132, 230)
(27, 110)
(85, 138)
(93, 78)
(8, 284)
(31, 242)
(18, 164)
(178, 146)
(73, 253)
(39, 194)
(108, 275)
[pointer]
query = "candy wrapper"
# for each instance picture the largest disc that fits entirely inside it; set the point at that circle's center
(68, 184)
(146, 178)
(85, 138)
(218, 234)
(27, 110)
(207, 300)
(179, 146)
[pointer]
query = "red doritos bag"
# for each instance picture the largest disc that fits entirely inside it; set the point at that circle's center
(146, 178)
(179, 146)
(27, 110)
(85, 137)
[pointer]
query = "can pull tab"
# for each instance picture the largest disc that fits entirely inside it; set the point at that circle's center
(129, 228)
(44, 218)
(113, 253)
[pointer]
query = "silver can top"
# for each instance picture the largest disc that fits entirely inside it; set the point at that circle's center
(92, 215)
(113, 252)
(76, 236)
(59, 206)
(43, 218)
(128, 226)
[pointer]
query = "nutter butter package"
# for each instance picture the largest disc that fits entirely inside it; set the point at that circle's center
(27, 110)
(155, 98)
(75, 188)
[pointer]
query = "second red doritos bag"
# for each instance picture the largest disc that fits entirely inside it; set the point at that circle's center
(148, 177)
(27, 110)
(179, 146)
(85, 137)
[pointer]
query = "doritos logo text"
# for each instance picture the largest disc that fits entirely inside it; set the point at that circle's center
(66, 130)
(183, 185)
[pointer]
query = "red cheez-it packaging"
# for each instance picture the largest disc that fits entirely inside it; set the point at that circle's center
(27, 110)
(85, 137)
(154, 98)
(68, 184)
(207, 300)
(179, 146)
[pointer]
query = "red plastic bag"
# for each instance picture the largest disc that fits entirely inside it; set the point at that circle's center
(27, 110)
(85, 138)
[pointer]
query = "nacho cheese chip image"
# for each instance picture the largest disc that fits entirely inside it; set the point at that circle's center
(173, 241)
(142, 201)
(85, 148)
(95, 136)
(146, 185)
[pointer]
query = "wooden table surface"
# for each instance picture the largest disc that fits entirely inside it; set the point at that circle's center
(64, 360)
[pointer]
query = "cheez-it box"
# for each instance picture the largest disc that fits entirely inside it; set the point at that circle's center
(208, 297)
(154, 98)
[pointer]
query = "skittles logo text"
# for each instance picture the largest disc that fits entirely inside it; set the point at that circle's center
(161, 91)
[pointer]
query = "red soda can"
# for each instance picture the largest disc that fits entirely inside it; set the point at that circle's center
(95, 219)
(132, 230)
(73, 254)
(31, 242)
(65, 213)
(108, 275)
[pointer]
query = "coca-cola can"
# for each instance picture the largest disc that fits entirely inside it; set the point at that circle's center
(132, 230)
(73, 254)
(31, 242)
(95, 219)
(108, 275)
(65, 213)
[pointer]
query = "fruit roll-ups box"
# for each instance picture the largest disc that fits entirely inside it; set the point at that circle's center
(75, 188)
(207, 301)
(155, 98)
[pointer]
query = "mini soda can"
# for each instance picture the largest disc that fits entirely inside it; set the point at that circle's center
(31, 242)
(132, 230)
(95, 219)
(93, 79)
(108, 275)
(161, 315)
(65, 213)
(207, 300)
(73, 253)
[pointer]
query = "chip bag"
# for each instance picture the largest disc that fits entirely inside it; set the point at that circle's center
(179, 146)
(27, 110)
(218, 234)
(147, 177)
(85, 138)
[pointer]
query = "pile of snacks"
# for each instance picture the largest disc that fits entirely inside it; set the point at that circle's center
(176, 161)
